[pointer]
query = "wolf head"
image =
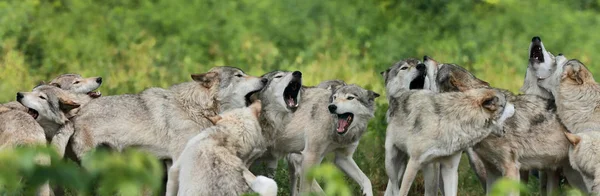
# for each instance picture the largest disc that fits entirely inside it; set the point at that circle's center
(453, 78)
(541, 65)
(245, 118)
(352, 103)
(234, 87)
(283, 88)
(49, 104)
(568, 74)
(74, 83)
(493, 102)
(405, 75)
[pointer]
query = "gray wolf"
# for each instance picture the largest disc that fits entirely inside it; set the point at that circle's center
(533, 136)
(333, 122)
(161, 121)
(583, 155)
(424, 125)
(53, 108)
(19, 129)
(212, 162)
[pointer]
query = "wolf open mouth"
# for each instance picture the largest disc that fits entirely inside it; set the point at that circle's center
(537, 52)
(33, 113)
(344, 121)
(418, 82)
(94, 94)
(290, 94)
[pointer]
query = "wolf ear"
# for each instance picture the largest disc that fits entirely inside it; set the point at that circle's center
(373, 95)
(578, 73)
(215, 119)
(574, 139)
(256, 106)
(67, 104)
(55, 84)
(490, 103)
(206, 79)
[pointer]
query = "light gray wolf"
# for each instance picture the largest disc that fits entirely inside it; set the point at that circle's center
(53, 108)
(533, 136)
(213, 162)
(19, 129)
(280, 97)
(541, 64)
(333, 122)
(161, 121)
(434, 127)
(583, 155)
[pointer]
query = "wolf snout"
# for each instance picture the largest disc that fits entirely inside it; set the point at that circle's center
(536, 39)
(264, 80)
(297, 74)
(19, 96)
(332, 108)
(99, 80)
(421, 67)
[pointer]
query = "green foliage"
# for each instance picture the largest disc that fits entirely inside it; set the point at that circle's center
(336, 185)
(137, 44)
(23, 170)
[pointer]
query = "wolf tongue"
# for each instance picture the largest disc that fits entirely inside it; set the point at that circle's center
(342, 123)
(291, 101)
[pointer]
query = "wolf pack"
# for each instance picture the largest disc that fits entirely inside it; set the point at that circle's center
(214, 128)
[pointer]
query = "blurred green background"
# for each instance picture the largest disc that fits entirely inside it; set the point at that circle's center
(136, 44)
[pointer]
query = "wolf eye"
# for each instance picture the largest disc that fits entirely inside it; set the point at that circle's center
(334, 97)
(350, 97)
(279, 76)
(42, 97)
(76, 82)
(403, 68)
(239, 75)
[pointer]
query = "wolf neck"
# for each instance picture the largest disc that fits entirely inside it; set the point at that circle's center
(273, 120)
(576, 106)
(531, 87)
(197, 101)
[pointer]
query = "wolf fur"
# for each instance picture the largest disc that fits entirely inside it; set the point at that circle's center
(213, 162)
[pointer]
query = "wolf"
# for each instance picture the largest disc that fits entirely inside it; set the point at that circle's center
(420, 114)
(213, 162)
(281, 96)
(19, 129)
(333, 122)
(534, 135)
(161, 121)
(53, 107)
(583, 157)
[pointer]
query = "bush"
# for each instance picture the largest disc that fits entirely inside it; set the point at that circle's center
(105, 173)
